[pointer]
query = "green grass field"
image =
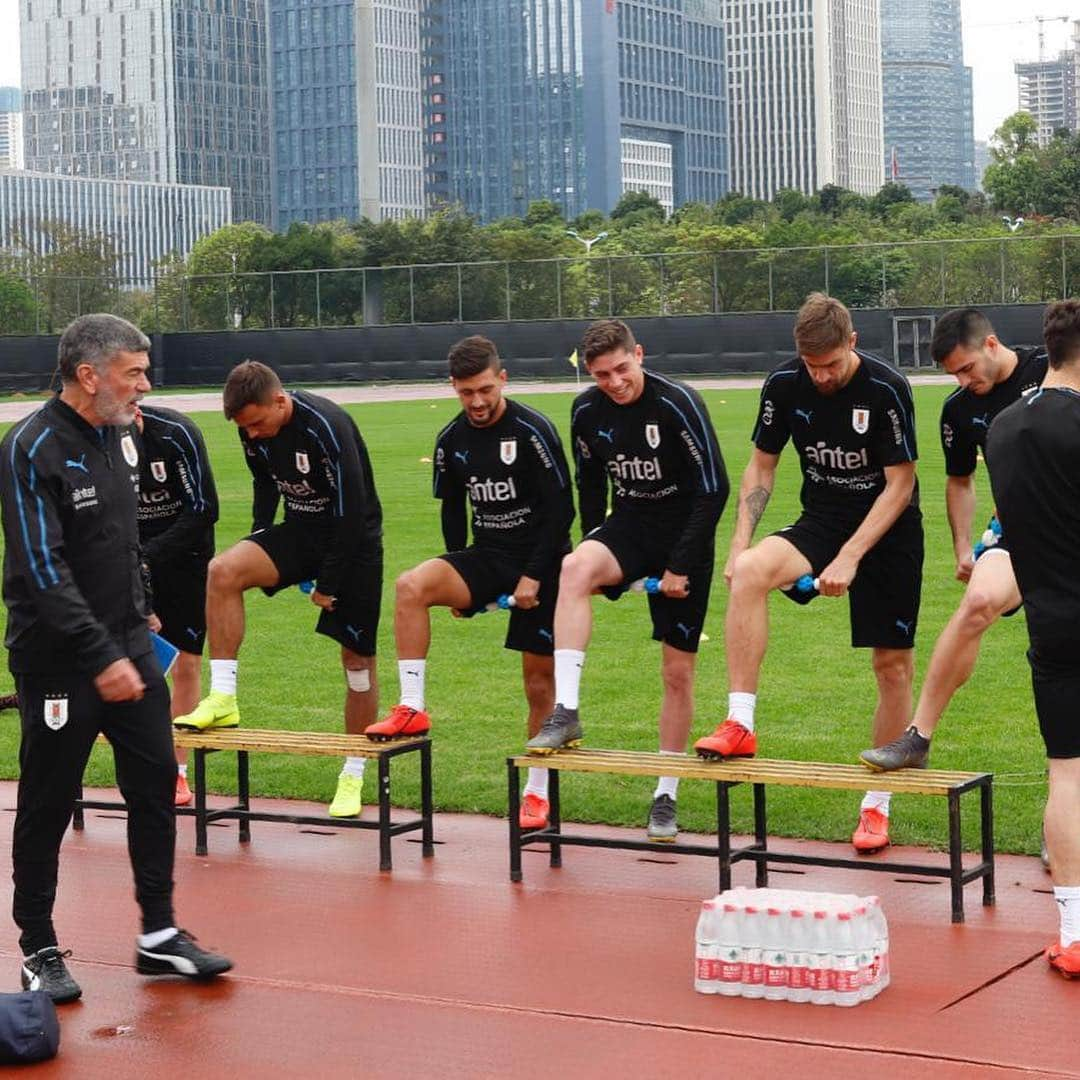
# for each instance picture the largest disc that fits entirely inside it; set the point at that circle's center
(815, 702)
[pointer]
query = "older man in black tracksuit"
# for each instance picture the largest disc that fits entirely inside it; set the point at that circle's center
(79, 646)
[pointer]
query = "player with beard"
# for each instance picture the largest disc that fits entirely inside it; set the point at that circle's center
(991, 378)
(851, 419)
(506, 461)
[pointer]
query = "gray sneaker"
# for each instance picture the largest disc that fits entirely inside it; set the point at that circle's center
(662, 825)
(910, 751)
(561, 731)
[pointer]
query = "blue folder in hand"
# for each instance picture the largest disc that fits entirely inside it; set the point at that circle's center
(165, 651)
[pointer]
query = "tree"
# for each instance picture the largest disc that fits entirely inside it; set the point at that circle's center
(543, 212)
(635, 206)
(890, 195)
(18, 306)
(789, 203)
(219, 295)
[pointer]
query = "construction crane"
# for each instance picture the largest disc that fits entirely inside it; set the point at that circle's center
(1042, 20)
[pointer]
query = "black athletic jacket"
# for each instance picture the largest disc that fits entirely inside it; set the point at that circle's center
(178, 503)
(72, 580)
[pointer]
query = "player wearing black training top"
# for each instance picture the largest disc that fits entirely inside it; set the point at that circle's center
(991, 377)
(851, 419)
(178, 507)
(650, 441)
(1033, 455)
(307, 452)
(506, 462)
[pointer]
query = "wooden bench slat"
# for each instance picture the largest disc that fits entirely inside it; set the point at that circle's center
(750, 770)
(309, 743)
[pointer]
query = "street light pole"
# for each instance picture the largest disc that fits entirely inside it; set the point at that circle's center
(587, 242)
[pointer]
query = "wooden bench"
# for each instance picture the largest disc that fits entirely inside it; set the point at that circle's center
(245, 741)
(760, 773)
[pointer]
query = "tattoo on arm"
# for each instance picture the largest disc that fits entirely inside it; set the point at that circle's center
(755, 502)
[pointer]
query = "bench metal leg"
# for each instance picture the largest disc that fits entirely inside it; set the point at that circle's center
(956, 867)
(427, 832)
(243, 792)
(385, 861)
(761, 837)
(987, 807)
(78, 822)
(723, 834)
(554, 817)
(513, 804)
(200, 801)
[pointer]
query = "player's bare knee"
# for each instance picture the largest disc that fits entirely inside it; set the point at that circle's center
(894, 669)
(576, 576)
(979, 609)
(407, 589)
(750, 573)
(677, 678)
(221, 575)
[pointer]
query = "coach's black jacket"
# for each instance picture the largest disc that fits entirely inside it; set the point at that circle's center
(72, 579)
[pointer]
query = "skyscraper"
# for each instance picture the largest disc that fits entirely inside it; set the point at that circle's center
(804, 95)
(574, 101)
(926, 89)
(162, 90)
(11, 144)
(345, 78)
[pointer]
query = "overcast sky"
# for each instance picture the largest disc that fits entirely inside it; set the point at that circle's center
(994, 38)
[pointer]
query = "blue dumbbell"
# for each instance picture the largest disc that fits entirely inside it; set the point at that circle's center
(645, 585)
(503, 603)
(306, 587)
(806, 584)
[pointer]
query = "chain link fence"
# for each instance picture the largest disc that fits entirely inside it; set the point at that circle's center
(1007, 270)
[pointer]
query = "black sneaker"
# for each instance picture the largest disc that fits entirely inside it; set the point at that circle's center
(561, 731)
(180, 956)
(910, 751)
(46, 970)
(662, 825)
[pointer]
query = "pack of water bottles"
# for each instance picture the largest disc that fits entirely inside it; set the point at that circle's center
(792, 945)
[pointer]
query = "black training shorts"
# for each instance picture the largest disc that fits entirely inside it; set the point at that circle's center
(296, 550)
(884, 597)
(1055, 679)
(644, 552)
(490, 574)
(179, 601)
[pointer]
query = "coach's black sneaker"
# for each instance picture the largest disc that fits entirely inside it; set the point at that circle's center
(662, 825)
(561, 731)
(46, 970)
(910, 751)
(180, 956)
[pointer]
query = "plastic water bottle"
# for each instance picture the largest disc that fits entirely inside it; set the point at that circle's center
(730, 958)
(705, 953)
(798, 932)
(753, 961)
(880, 930)
(846, 961)
(990, 537)
(820, 960)
(774, 950)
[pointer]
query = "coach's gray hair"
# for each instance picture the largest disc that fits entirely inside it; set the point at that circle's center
(95, 340)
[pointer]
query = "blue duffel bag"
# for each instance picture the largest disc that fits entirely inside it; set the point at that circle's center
(29, 1030)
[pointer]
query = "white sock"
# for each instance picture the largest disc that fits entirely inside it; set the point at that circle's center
(354, 766)
(877, 800)
(1068, 900)
(668, 785)
(568, 665)
(537, 783)
(411, 677)
(181, 770)
(223, 676)
(740, 707)
(157, 937)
